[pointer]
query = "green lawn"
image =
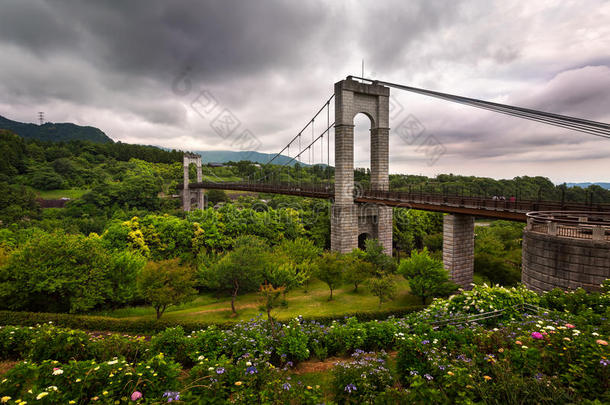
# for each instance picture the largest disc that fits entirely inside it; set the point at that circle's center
(56, 194)
(208, 308)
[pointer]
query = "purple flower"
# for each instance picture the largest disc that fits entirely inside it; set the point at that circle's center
(251, 370)
(425, 342)
(171, 396)
(428, 377)
(604, 362)
(413, 372)
(286, 386)
(220, 370)
(537, 335)
(349, 388)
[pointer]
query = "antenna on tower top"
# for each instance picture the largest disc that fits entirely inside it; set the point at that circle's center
(41, 117)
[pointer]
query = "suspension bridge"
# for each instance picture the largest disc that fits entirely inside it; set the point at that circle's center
(367, 212)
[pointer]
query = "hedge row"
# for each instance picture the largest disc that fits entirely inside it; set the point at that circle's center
(145, 326)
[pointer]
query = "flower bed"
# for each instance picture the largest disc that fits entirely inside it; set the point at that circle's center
(507, 358)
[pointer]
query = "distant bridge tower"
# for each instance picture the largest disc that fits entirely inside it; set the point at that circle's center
(351, 221)
(192, 199)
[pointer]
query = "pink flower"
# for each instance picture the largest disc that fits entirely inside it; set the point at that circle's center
(136, 395)
(537, 335)
(570, 326)
(601, 342)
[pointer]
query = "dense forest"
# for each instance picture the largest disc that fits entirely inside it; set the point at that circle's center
(125, 214)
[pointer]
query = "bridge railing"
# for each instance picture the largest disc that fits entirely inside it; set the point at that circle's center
(326, 190)
(511, 204)
(573, 224)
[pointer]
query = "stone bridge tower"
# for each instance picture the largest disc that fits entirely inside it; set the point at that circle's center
(348, 219)
(192, 199)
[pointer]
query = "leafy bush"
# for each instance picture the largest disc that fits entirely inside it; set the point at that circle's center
(173, 343)
(61, 273)
(89, 380)
(293, 341)
(14, 341)
(482, 298)
(60, 344)
(362, 379)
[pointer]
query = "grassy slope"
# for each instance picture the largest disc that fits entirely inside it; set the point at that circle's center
(315, 302)
(56, 194)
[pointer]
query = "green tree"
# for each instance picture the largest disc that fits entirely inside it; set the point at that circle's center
(374, 254)
(166, 283)
(216, 196)
(427, 277)
(241, 270)
(66, 273)
(358, 270)
(270, 296)
(330, 268)
(383, 287)
(300, 252)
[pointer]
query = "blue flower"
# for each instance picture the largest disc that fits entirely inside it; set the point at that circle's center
(251, 370)
(220, 370)
(286, 386)
(349, 388)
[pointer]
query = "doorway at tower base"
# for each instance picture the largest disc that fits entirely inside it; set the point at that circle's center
(348, 221)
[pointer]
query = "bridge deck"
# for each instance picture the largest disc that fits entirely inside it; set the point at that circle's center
(452, 204)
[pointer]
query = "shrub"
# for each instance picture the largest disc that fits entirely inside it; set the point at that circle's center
(173, 343)
(293, 341)
(14, 341)
(60, 344)
(362, 379)
(89, 380)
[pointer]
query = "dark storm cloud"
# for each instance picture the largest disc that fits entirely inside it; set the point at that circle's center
(272, 63)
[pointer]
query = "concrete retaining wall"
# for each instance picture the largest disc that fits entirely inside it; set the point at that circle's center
(552, 261)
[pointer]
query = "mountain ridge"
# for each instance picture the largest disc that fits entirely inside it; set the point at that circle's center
(55, 131)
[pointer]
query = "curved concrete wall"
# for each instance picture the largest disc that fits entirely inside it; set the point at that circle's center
(552, 261)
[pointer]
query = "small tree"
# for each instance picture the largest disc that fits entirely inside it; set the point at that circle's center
(166, 283)
(240, 270)
(330, 268)
(374, 254)
(283, 275)
(216, 196)
(270, 297)
(383, 287)
(302, 253)
(427, 277)
(358, 270)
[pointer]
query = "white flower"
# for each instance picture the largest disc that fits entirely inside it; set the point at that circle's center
(201, 358)
(595, 334)
(42, 395)
(248, 364)
(111, 362)
(58, 371)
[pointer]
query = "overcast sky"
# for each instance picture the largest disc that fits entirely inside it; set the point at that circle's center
(159, 72)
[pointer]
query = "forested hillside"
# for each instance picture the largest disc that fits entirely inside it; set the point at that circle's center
(55, 132)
